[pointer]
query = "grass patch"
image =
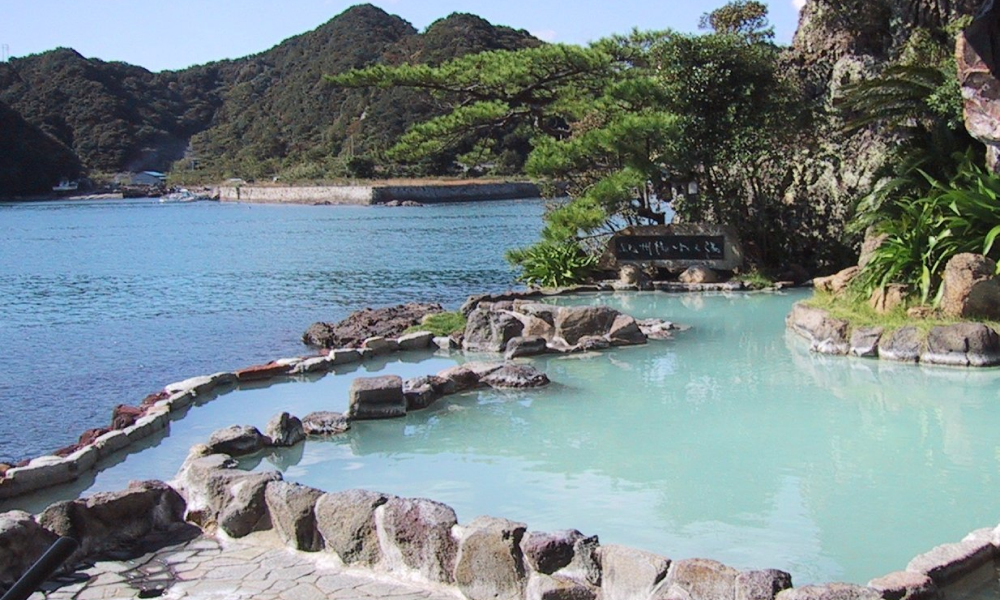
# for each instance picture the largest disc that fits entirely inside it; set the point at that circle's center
(755, 280)
(858, 313)
(441, 324)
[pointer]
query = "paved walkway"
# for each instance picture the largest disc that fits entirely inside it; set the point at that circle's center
(206, 568)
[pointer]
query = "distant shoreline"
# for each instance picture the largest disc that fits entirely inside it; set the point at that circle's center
(53, 197)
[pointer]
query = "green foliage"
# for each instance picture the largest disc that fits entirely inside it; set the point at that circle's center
(745, 18)
(441, 324)
(552, 264)
(755, 279)
(954, 217)
(252, 117)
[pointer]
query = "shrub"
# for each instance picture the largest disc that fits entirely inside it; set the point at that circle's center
(552, 264)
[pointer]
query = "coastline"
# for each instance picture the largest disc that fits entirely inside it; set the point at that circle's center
(380, 193)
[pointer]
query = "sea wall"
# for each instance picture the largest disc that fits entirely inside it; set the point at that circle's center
(366, 195)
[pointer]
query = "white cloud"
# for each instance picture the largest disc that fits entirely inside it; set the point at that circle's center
(798, 4)
(547, 35)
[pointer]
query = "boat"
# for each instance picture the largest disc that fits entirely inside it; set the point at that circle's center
(65, 185)
(182, 195)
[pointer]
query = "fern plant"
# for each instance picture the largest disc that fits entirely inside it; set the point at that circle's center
(552, 264)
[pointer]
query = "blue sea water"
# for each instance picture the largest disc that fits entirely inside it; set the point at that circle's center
(104, 302)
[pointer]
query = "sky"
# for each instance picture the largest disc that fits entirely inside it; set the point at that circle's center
(174, 34)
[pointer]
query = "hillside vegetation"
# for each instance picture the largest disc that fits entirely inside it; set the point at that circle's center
(258, 116)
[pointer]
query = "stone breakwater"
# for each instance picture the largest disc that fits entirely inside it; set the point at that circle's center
(967, 344)
(368, 195)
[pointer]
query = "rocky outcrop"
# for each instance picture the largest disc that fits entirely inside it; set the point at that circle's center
(970, 287)
(978, 57)
(522, 327)
(389, 322)
(826, 334)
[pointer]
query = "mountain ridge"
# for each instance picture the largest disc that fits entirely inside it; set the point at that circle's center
(252, 116)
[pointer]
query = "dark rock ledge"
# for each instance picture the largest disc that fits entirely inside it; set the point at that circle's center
(966, 344)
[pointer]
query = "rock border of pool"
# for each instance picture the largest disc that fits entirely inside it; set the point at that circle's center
(964, 344)
(419, 539)
(131, 424)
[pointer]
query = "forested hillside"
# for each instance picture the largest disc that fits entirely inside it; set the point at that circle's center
(31, 160)
(257, 116)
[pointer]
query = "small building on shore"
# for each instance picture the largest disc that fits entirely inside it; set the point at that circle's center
(146, 178)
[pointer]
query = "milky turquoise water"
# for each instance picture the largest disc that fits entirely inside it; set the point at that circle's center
(730, 441)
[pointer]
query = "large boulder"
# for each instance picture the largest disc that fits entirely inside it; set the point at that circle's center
(376, 398)
(865, 340)
(515, 376)
(489, 563)
(389, 322)
(237, 440)
(761, 585)
(826, 334)
(113, 522)
(525, 346)
(575, 322)
(325, 422)
(292, 510)
(962, 344)
(22, 542)
(628, 573)
(699, 274)
(489, 329)
(970, 287)
(415, 537)
(625, 331)
(220, 495)
(978, 57)
(242, 507)
(904, 585)
(421, 392)
(698, 578)
(284, 430)
(568, 554)
(346, 521)
(903, 345)
(837, 283)
(830, 591)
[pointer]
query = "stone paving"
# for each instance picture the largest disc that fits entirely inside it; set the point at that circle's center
(207, 568)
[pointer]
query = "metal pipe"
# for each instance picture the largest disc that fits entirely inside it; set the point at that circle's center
(43, 568)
